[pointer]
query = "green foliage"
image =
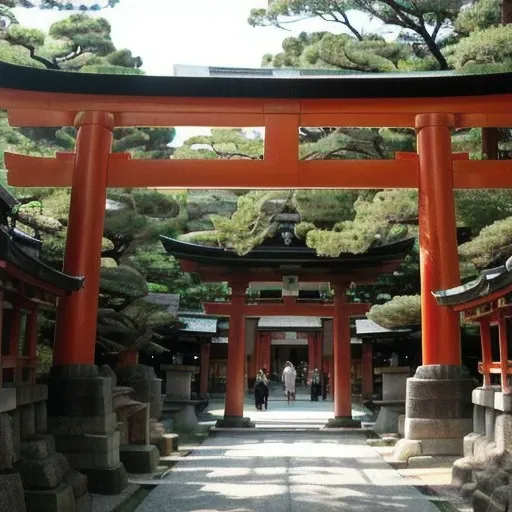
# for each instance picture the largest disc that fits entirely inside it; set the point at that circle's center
(478, 15)
(252, 223)
(399, 311)
(490, 47)
(478, 208)
(422, 22)
(222, 143)
(492, 246)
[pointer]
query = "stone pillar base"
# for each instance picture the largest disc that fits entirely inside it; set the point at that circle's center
(438, 412)
(343, 422)
(235, 422)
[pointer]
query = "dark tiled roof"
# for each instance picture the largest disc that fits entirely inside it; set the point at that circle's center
(365, 85)
(278, 258)
(12, 253)
(490, 281)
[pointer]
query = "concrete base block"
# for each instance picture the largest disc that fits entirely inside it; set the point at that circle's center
(453, 446)
(343, 422)
(406, 448)
(139, 458)
(107, 481)
(503, 402)
(235, 422)
(422, 428)
(60, 499)
(484, 396)
(11, 493)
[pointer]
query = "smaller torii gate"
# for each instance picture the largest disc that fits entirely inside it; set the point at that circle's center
(237, 310)
(271, 264)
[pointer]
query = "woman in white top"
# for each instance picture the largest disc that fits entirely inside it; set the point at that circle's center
(288, 379)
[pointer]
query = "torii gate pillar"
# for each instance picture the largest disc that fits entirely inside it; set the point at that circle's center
(342, 362)
(234, 401)
(75, 336)
(435, 422)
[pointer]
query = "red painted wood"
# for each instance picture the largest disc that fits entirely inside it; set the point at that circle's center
(75, 336)
(439, 260)
(234, 401)
(342, 356)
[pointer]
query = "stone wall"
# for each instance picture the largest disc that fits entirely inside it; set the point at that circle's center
(484, 473)
(34, 476)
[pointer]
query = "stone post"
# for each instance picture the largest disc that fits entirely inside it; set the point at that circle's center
(82, 419)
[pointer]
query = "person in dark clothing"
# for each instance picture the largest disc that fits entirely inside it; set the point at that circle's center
(316, 385)
(260, 390)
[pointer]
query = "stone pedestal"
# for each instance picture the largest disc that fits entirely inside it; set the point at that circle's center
(394, 383)
(438, 412)
(147, 388)
(82, 419)
(178, 381)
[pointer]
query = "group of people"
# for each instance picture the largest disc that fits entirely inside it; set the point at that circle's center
(318, 384)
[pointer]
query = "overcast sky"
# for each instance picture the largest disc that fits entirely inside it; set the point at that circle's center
(199, 32)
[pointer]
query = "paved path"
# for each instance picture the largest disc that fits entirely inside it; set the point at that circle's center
(284, 472)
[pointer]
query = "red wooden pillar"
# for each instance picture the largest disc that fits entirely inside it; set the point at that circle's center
(265, 349)
(342, 359)
(75, 336)
(502, 330)
(204, 370)
(319, 347)
(234, 403)
(485, 340)
(367, 370)
(311, 353)
(439, 260)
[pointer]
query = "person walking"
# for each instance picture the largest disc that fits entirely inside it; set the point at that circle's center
(260, 389)
(288, 379)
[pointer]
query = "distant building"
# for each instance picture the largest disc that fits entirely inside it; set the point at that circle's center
(220, 71)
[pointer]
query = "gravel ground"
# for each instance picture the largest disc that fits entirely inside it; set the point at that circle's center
(292, 472)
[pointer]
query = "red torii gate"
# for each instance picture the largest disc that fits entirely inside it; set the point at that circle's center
(340, 311)
(95, 104)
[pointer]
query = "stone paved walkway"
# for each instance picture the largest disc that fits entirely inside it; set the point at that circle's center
(284, 472)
